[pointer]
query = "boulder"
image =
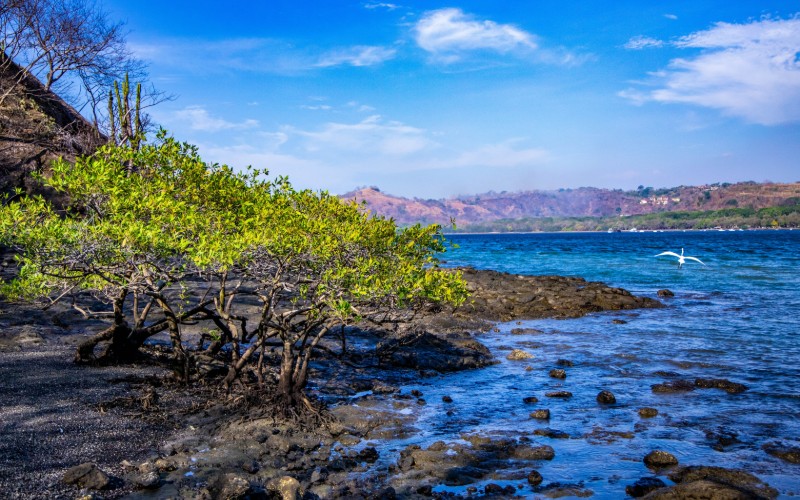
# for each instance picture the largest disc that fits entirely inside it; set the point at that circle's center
(644, 486)
(647, 412)
(558, 373)
(87, 476)
(558, 394)
(534, 478)
(658, 459)
(541, 414)
(789, 454)
(606, 398)
(664, 293)
(287, 488)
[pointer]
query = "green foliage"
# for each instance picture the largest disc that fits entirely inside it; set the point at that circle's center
(148, 220)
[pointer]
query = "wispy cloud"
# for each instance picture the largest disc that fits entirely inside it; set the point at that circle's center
(360, 55)
(643, 42)
(748, 70)
(381, 5)
(198, 118)
(501, 155)
(671, 17)
(447, 33)
(369, 136)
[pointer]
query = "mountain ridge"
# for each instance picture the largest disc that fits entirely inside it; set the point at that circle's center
(578, 202)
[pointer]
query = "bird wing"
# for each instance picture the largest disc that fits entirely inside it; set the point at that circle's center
(694, 258)
(669, 253)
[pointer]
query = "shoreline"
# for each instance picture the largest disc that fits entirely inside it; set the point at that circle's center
(215, 451)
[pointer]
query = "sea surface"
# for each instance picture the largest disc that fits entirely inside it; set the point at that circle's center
(737, 317)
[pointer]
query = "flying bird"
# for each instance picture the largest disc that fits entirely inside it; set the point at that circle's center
(681, 258)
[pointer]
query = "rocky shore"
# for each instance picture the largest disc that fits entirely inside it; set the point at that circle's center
(133, 432)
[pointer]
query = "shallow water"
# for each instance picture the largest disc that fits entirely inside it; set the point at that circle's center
(735, 318)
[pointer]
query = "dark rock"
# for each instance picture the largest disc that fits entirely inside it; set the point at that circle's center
(541, 414)
(558, 394)
(665, 293)
(551, 433)
(564, 362)
(87, 476)
(658, 459)
(619, 321)
(790, 454)
(525, 331)
(416, 393)
(722, 438)
(720, 383)
(425, 490)
(421, 402)
(673, 387)
(530, 400)
(648, 412)
(495, 489)
(606, 398)
(644, 486)
(534, 478)
(722, 482)
(447, 399)
(462, 476)
(558, 373)
(369, 455)
(387, 493)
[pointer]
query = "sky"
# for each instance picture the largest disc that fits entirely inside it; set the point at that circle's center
(437, 99)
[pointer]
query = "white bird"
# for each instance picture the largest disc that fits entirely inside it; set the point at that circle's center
(681, 258)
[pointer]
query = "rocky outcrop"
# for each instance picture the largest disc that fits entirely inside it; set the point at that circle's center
(714, 482)
(497, 296)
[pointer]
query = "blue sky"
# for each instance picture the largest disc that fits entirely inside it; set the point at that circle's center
(435, 99)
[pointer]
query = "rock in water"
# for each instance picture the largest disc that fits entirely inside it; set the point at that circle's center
(606, 398)
(518, 355)
(648, 412)
(644, 486)
(534, 478)
(541, 414)
(658, 459)
(558, 373)
(665, 293)
(87, 476)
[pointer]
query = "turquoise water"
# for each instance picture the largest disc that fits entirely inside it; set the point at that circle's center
(735, 318)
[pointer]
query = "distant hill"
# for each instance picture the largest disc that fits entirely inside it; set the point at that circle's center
(485, 208)
(36, 126)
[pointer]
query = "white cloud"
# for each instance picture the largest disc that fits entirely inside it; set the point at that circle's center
(376, 5)
(446, 33)
(642, 42)
(671, 17)
(369, 136)
(360, 55)
(198, 118)
(749, 71)
(318, 107)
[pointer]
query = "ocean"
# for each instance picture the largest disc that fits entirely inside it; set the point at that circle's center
(737, 318)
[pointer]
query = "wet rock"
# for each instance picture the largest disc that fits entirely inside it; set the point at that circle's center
(558, 373)
(720, 383)
(525, 452)
(558, 394)
(387, 493)
(447, 399)
(430, 353)
(644, 486)
(462, 476)
(658, 459)
(789, 454)
(551, 433)
(541, 414)
(525, 331)
(492, 489)
(369, 455)
(619, 321)
(530, 400)
(722, 438)
(287, 488)
(714, 482)
(559, 490)
(425, 490)
(519, 355)
(564, 362)
(673, 387)
(665, 293)
(379, 387)
(648, 412)
(87, 476)
(416, 393)
(534, 478)
(606, 398)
